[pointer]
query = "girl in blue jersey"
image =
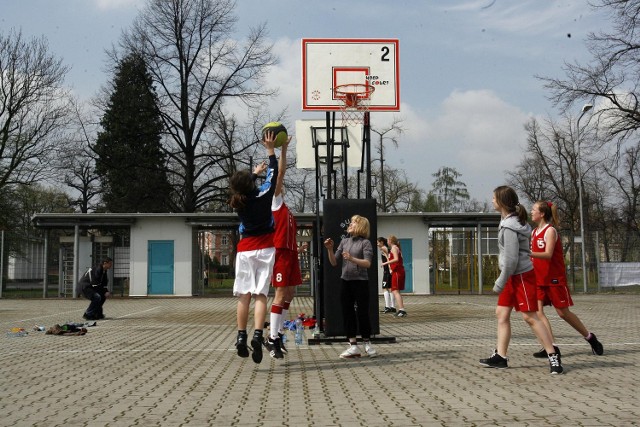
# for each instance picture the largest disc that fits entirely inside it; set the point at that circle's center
(255, 254)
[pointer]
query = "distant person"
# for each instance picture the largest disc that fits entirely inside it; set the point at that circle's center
(255, 253)
(516, 284)
(286, 270)
(356, 253)
(548, 263)
(94, 288)
(389, 305)
(398, 275)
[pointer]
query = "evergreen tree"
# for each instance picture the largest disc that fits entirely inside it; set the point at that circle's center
(130, 162)
(449, 190)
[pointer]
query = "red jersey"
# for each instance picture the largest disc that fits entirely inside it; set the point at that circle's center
(286, 227)
(396, 266)
(548, 271)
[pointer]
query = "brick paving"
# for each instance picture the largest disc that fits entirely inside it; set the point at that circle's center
(171, 362)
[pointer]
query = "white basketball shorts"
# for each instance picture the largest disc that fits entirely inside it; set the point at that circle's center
(253, 271)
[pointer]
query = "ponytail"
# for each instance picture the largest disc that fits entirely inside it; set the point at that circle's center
(507, 199)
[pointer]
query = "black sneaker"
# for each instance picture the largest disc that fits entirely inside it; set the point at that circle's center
(386, 310)
(282, 347)
(542, 354)
(256, 347)
(241, 344)
(391, 310)
(401, 313)
(555, 368)
(596, 346)
(273, 345)
(495, 361)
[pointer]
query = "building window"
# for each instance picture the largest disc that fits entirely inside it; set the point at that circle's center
(225, 260)
(225, 240)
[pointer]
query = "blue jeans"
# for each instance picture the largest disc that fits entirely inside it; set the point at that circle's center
(97, 298)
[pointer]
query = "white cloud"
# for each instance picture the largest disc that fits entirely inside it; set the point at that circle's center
(475, 132)
(117, 4)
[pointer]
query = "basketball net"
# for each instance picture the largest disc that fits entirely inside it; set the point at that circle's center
(354, 102)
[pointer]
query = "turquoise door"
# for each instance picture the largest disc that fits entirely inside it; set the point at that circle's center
(160, 273)
(407, 256)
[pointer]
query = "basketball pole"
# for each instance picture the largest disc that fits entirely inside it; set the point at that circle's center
(366, 140)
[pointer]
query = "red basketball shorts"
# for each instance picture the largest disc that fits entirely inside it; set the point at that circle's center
(397, 279)
(555, 295)
(286, 270)
(520, 292)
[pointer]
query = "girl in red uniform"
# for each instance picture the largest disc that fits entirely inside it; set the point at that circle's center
(396, 266)
(286, 270)
(548, 263)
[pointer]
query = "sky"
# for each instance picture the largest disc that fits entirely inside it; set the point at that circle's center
(467, 67)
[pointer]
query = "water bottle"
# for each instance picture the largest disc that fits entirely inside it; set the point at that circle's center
(299, 331)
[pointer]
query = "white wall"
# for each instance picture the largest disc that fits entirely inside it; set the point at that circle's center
(164, 228)
(416, 230)
(176, 229)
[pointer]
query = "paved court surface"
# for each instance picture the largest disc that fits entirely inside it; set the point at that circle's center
(171, 362)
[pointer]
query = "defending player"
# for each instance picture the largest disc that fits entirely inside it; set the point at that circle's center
(286, 271)
(551, 276)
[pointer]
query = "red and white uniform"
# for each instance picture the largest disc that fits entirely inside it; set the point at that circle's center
(397, 272)
(551, 275)
(286, 271)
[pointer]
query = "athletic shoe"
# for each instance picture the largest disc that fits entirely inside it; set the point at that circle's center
(273, 345)
(596, 346)
(542, 354)
(352, 352)
(401, 313)
(368, 348)
(282, 347)
(392, 310)
(495, 361)
(256, 347)
(555, 368)
(386, 310)
(241, 345)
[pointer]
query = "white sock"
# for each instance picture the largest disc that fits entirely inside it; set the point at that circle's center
(275, 319)
(388, 299)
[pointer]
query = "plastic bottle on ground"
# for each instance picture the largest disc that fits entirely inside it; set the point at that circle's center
(299, 331)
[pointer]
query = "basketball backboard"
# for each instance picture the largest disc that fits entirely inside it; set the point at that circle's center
(327, 63)
(305, 151)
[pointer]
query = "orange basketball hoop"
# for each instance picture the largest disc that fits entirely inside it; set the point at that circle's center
(354, 101)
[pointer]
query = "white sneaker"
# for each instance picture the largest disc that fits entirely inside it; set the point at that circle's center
(351, 352)
(368, 348)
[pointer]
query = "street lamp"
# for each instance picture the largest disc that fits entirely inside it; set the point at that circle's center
(585, 108)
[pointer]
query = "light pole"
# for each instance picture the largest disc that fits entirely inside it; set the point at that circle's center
(585, 108)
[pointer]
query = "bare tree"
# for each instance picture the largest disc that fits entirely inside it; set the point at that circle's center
(613, 74)
(197, 67)
(401, 193)
(395, 129)
(76, 164)
(625, 174)
(33, 108)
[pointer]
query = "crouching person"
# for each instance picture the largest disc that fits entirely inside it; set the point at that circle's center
(94, 288)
